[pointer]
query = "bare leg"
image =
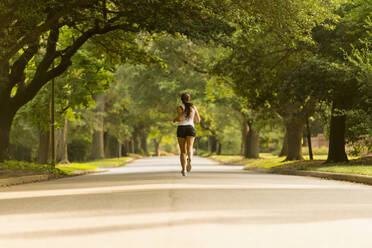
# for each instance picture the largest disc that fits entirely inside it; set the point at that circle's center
(190, 144)
(182, 144)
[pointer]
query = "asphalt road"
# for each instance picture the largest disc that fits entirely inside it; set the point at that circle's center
(149, 204)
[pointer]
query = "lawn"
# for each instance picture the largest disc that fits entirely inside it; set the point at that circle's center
(225, 158)
(93, 165)
(20, 168)
(266, 160)
(358, 166)
(347, 169)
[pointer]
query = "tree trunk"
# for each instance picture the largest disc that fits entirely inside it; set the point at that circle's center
(44, 147)
(294, 128)
(251, 147)
(62, 154)
(219, 148)
(144, 143)
(284, 151)
(136, 144)
(245, 129)
(110, 145)
(120, 146)
(98, 151)
(213, 143)
(131, 146)
(125, 149)
(157, 145)
(5, 126)
(336, 152)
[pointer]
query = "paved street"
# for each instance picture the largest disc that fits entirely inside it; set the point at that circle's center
(149, 204)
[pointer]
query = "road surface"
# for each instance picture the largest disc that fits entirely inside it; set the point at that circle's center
(149, 204)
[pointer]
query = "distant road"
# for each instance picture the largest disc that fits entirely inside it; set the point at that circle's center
(149, 204)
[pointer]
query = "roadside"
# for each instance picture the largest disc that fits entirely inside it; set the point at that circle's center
(357, 170)
(19, 172)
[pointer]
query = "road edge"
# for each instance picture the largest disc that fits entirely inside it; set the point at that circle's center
(11, 181)
(325, 175)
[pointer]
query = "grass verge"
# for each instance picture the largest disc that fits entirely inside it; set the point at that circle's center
(20, 168)
(356, 166)
(12, 168)
(360, 166)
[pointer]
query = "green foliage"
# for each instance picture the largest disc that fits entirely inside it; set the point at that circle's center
(253, 61)
(346, 169)
(32, 168)
(79, 149)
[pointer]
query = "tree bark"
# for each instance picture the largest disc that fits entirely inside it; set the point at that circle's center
(245, 129)
(5, 126)
(136, 143)
(62, 154)
(110, 145)
(98, 151)
(125, 149)
(213, 143)
(120, 146)
(251, 147)
(44, 147)
(219, 148)
(284, 151)
(157, 146)
(131, 146)
(294, 129)
(336, 151)
(143, 137)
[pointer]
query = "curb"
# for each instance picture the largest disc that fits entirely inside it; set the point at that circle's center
(228, 162)
(5, 182)
(325, 175)
(25, 179)
(129, 161)
(40, 178)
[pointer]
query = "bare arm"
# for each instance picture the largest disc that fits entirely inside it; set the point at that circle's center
(196, 115)
(179, 114)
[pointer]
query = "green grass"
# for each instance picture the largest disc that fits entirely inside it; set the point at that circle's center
(341, 168)
(225, 158)
(12, 168)
(93, 165)
(267, 162)
(357, 166)
(19, 168)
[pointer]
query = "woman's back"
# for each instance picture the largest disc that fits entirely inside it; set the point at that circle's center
(187, 120)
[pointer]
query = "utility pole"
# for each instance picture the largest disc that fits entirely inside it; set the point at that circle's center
(52, 126)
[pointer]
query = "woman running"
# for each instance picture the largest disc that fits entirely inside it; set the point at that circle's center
(187, 112)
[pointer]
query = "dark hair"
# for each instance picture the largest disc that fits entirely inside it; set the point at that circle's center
(185, 98)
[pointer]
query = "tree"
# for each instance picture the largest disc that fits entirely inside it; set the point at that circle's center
(31, 28)
(329, 76)
(265, 50)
